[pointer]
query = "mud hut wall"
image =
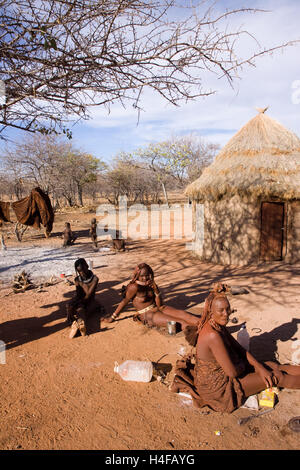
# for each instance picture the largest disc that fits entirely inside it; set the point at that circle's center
(198, 228)
(231, 231)
(293, 232)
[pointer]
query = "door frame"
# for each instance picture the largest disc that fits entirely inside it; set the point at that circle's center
(285, 225)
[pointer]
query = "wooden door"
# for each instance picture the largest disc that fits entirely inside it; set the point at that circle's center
(272, 229)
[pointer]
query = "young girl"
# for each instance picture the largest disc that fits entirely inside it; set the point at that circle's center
(83, 303)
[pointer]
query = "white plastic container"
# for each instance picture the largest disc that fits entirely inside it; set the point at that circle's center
(251, 403)
(243, 337)
(182, 350)
(137, 371)
(171, 327)
(90, 264)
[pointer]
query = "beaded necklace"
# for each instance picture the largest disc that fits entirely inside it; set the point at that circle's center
(86, 281)
(215, 325)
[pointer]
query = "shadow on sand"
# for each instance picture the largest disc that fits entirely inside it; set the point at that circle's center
(17, 332)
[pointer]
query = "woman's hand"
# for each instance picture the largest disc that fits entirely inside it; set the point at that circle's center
(153, 285)
(269, 379)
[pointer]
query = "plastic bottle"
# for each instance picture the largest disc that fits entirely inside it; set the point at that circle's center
(171, 327)
(243, 337)
(137, 371)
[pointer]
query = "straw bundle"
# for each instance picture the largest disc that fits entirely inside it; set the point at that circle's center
(21, 282)
(261, 160)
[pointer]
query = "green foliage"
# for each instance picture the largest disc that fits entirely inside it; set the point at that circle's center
(145, 175)
(181, 158)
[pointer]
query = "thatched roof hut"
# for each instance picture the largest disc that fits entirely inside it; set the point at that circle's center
(261, 163)
(261, 159)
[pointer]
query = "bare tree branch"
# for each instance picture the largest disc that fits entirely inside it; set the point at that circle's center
(58, 57)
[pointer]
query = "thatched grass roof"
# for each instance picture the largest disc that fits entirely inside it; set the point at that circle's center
(261, 160)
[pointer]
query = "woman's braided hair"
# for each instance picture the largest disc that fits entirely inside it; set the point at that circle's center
(136, 274)
(218, 290)
(191, 332)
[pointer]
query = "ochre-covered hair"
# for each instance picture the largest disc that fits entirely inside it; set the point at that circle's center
(218, 291)
(138, 269)
(135, 276)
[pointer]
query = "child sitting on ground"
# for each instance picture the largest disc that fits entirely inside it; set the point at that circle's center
(118, 243)
(68, 236)
(93, 233)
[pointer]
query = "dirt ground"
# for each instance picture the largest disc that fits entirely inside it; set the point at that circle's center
(58, 393)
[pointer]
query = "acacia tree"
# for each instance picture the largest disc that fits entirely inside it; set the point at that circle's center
(52, 163)
(81, 169)
(34, 159)
(177, 161)
(194, 154)
(126, 176)
(58, 57)
(11, 181)
(122, 178)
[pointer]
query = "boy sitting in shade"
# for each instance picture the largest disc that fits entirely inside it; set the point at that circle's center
(68, 235)
(118, 243)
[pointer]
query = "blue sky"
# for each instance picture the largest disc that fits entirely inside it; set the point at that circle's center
(215, 118)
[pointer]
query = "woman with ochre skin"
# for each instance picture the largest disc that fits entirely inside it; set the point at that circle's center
(83, 303)
(145, 296)
(225, 374)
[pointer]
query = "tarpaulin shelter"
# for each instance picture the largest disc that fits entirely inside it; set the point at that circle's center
(4, 212)
(35, 210)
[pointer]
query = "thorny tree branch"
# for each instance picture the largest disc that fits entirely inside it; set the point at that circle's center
(58, 57)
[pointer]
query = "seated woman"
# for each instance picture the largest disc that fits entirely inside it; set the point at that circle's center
(145, 296)
(83, 303)
(225, 374)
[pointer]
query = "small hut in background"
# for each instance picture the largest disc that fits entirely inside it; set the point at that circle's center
(247, 202)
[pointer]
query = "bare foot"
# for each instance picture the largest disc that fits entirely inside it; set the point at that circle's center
(108, 320)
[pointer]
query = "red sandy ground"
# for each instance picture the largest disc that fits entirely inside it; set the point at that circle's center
(58, 393)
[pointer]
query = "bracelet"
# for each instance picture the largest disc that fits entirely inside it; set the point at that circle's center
(156, 295)
(114, 316)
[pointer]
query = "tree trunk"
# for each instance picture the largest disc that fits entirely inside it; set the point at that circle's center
(18, 192)
(80, 197)
(165, 194)
(69, 200)
(20, 230)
